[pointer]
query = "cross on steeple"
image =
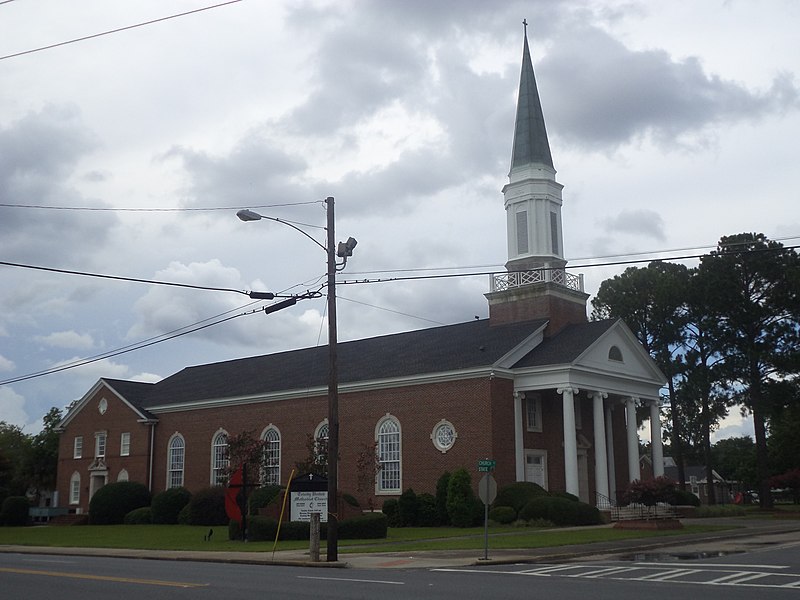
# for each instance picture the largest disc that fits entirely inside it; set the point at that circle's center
(525, 23)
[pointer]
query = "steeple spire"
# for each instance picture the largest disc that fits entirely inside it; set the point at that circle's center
(530, 136)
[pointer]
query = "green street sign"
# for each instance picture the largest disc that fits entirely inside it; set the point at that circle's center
(487, 464)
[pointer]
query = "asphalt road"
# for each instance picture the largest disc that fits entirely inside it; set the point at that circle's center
(768, 570)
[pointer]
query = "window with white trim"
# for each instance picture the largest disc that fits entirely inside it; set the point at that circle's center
(176, 455)
(219, 458)
(100, 444)
(272, 452)
(533, 411)
(123, 475)
(443, 435)
(77, 447)
(125, 444)
(389, 455)
(75, 488)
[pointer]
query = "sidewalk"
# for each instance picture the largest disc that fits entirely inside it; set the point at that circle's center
(748, 534)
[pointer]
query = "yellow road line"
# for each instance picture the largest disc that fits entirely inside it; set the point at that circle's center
(180, 584)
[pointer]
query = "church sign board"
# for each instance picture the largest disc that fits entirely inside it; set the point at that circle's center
(309, 494)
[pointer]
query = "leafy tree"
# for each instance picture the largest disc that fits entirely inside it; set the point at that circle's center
(756, 302)
(14, 451)
(368, 465)
(42, 460)
(784, 425)
(651, 302)
(735, 459)
(316, 461)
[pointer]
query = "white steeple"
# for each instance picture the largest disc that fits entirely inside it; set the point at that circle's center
(532, 195)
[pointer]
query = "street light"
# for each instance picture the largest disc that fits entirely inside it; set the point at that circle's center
(343, 250)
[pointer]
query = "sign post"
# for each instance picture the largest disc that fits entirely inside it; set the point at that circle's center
(487, 492)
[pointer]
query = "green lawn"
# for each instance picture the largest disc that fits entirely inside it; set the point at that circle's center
(183, 537)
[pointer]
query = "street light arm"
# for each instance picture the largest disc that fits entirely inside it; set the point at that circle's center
(249, 215)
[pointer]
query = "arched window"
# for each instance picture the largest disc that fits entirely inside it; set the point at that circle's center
(389, 455)
(75, 488)
(321, 435)
(176, 455)
(614, 353)
(219, 458)
(272, 451)
(123, 475)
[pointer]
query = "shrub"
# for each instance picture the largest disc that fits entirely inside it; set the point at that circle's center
(441, 498)
(407, 508)
(262, 497)
(560, 511)
(649, 492)
(684, 498)
(721, 510)
(566, 495)
(503, 515)
(113, 501)
(366, 526)
(351, 500)
(427, 516)
(183, 516)
(461, 499)
(391, 511)
(516, 495)
(207, 507)
(14, 511)
(139, 516)
(167, 504)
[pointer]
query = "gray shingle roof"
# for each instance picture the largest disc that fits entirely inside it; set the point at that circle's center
(462, 346)
(567, 345)
(440, 349)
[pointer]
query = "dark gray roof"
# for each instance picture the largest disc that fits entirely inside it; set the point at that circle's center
(469, 345)
(567, 345)
(133, 391)
(530, 134)
(697, 471)
(452, 347)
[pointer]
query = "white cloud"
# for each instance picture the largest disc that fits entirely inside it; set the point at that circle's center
(12, 407)
(68, 339)
(6, 365)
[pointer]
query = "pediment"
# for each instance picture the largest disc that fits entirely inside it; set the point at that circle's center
(618, 352)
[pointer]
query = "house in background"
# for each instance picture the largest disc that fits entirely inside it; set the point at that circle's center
(536, 386)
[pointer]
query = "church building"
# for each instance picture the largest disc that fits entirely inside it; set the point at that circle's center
(537, 387)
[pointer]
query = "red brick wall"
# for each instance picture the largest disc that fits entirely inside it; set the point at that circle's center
(117, 419)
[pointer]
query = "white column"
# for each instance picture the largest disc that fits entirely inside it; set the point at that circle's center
(633, 439)
(655, 439)
(600, 455)
(519, 447)
(570, 440)
(612, 463)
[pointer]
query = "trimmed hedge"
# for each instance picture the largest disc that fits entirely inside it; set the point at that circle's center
(408, 508)
(207, 507)
(139, 516)
(113, 501)
(168, 504)
(441, 498)
(14, 512)
(560, 511)
(427, 515)
(390, 509)
(262, 529)
(503, 515)
(262, 497)
(684, 498)
(516, 495)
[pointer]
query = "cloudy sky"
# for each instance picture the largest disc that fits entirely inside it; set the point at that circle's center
(671, 124)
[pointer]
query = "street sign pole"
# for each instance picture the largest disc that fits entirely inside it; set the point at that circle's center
(487, 492)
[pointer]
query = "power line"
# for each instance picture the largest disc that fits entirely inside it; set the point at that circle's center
(121, 278)
(397, 312)
(119, 29)
(150, 209)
